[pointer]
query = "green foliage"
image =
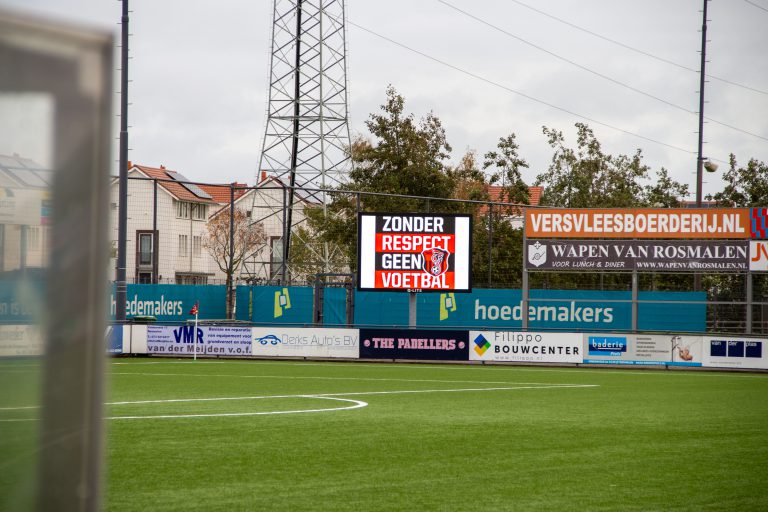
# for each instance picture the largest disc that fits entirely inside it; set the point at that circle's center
(586, 177)
(504, 245)
(507, 164)
(406, 157)
(744, 186)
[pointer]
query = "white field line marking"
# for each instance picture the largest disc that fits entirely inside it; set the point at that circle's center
(330, 396)
(356, 404)
(462, 367)
(299, 377)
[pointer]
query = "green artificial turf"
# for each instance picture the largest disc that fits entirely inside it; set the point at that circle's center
(633, 440)
(638, 440)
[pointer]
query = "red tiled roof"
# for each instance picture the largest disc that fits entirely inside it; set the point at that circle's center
(534, 194)
(219, 193)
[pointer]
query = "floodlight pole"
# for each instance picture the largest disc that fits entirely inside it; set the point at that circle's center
(700, 158)
(121, 289)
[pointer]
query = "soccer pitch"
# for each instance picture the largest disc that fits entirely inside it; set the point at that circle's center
(291, 435)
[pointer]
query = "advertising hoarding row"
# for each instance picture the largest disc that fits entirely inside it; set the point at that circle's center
(529, 347)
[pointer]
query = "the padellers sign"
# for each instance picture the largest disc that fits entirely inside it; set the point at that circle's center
(414, 252)
(420, 344)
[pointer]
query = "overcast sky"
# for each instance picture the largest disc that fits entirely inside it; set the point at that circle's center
(199, 72)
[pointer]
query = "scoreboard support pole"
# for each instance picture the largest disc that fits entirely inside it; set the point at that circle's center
(412, 309)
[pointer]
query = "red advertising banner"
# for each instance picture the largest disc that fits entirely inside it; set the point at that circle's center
(415, 252)
(687, 223)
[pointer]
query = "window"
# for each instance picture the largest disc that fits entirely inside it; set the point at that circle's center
(183, 241)
(197, 246)
(191, 279)
(182, 210)
(145, 278)
(33, 238)
(199, 211)
(145, 249)
(276, 255)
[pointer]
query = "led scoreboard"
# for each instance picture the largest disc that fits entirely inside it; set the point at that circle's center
(414, 252)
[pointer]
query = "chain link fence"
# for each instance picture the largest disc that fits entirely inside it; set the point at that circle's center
(183, 232)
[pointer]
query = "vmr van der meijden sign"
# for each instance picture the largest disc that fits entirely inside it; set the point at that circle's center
(414, 252)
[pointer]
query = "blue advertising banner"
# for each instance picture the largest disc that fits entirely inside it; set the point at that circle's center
(282, 305)
(414, 344)
(172, 302)
(572, 310)
(21, 300)
(114, 339)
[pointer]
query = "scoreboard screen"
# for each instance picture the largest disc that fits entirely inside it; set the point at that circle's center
(414, 252)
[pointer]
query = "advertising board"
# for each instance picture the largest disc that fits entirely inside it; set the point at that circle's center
(687, 223)
(652, 255)
(534, 347)
(21, 340)
(561, 310)
(735, 352)
(414, 252)
(758, 256)
(114, 339)
(639, 349)
(179, 340)
(172, 302)
(311, 342)
(419, 344)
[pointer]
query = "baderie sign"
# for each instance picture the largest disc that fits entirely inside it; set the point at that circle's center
(415, 252)
(687, 223)
(655, 255)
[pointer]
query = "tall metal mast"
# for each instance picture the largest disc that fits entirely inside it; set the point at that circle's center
(306, 139)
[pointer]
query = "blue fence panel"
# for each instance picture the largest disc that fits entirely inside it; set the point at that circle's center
(243, 303)
(672, 317)
(22, 300)
(172, 302)
(334, 306)
(493, 308)
(282, 305)
(381, 308)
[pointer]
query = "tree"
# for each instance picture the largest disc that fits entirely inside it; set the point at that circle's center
(665, 192)
(587, 177)
(744, 186)
(405, 157)
(247, 237)
(507, 164)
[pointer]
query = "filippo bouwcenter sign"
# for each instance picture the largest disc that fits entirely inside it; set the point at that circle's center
(415, 252)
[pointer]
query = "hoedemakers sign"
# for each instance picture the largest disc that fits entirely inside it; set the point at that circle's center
(535, 347)
(653, 255)
(415, 252)
(686, 223)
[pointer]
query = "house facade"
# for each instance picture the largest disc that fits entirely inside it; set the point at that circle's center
(168, 223)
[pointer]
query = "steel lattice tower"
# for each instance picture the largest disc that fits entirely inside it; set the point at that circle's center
(307, 134)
